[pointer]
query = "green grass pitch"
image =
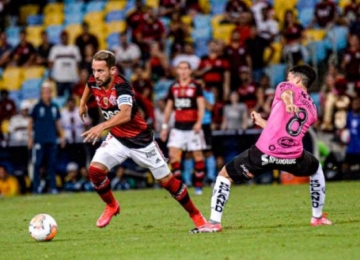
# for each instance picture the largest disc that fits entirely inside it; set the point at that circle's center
(260, 222)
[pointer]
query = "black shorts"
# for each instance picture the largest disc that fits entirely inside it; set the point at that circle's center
(253, 162)
(207, 136)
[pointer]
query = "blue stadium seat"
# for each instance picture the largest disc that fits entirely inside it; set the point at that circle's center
(53, 32)
(217, 6)
(306, 4)
(115, 16)
(277, 73)
(12, 34)
(319, 47)
(338, 36)
(113, 40)
(72, 18)
(70, 1)
(306, 15)
(34, 19)
(60, 101)
(30, 89)
(201, 34)
(161, 88)
(15, 95)
(202, 21)
(129, 6)
(316, 97)
(201, 48)
(166, 22)
(95, 6)
(1, 72)
(75, 7)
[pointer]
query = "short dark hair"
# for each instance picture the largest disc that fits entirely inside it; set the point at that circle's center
(106, 56)
(306, 73)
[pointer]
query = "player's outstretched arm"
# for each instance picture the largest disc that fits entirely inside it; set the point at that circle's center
(164, 128)
(84, 99)
(94, 133)
(257, 119)
(288, 98)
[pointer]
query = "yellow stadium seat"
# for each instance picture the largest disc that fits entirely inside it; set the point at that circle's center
(343, 3)
(12, 78)
(54, 19)
(93, 18)
(102, 44)
(205, 6)
(116, 27)
(74, 30)
(248, 3)
(187, 19)
(115, 5)
(152, 3)
(216, 20)
(54, 8)
(5, 126)
(277, 55)
(27, 10)
(315, 34)
(34, 34)
(33, 72)
(223, 32)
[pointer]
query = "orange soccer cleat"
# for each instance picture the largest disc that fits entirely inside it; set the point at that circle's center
(107, 215)
(320, 221)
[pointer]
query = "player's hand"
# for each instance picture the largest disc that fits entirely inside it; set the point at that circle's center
(256, 118)
(197, 127)
(93, 134)
(83, 111)
(62, 142)
(163, 135)
(292, 108)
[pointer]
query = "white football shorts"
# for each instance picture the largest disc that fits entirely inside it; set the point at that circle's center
(186, 140)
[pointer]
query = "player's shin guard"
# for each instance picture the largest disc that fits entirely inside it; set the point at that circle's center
(317, 192)
(176, 169)
(199, 174)
(220, 196)
(102, 185)
(178, 190)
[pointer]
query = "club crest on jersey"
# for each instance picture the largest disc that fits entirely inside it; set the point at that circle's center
(105, 101)
(112, 100)
(190, 92)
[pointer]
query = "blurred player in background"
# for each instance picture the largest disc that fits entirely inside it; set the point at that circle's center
(129, 137)
(186, 98)
(278, 147)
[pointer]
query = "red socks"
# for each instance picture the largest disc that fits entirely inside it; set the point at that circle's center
(102, 185)
(179, 191)
(176, 169)
(199, 174)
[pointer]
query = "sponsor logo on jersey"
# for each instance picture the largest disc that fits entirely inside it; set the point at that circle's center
(109, 114)
(267, 159)
(287, 142)
(246, 172)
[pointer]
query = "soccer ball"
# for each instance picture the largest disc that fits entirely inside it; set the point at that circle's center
(43, 227)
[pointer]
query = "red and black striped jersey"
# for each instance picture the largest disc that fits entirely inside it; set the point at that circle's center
(133, 134)
(185, 105)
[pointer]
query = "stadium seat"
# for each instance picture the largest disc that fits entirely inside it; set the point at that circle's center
(95, 6)
(74, 30)
(115, 6)
(94, 18)
(166, 22)
(15, 95)
(277, 55)
(161, 88)
(152, 3)
(306, 15)
(12, 78)
(201, 48)
(201, 34)
(116, 26)
(205, 6)
(202, 21)
(317, 51)
(74, 19)
(5, 126)
(223, 32)
(12, 34)
(34, 19)
(1, 72)
(76, 7)
(115, 16)
(26, 10)
(113, 40)
(315, 34)
(30, 89)
(34, 30)
(54, 19)
(54, 32)
(306, 4)
(54, 8)
(338, 36)
(277, 73)
(216, 19)
(187, 20)
(59, 101)
(217, 7)
(33, 72)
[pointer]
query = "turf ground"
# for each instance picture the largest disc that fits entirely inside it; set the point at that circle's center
(260, 222)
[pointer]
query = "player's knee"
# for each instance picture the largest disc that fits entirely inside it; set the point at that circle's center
(97, 173)
(198, 155)
(165, 179)
(224, 173)
(174, 154)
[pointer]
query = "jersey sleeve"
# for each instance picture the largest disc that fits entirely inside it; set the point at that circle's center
(170, 94)
(284, 86)
(33, 112)
(58, 116)
(125, 94)
(199, 91)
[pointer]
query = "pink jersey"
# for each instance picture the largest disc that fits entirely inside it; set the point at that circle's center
(283, 134)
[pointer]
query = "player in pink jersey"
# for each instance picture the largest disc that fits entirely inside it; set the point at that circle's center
(279, 147)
